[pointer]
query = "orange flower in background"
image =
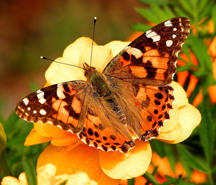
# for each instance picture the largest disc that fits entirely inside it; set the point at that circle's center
(164, 169)
(71, 156)
(212, 52)
(182, 76)
(193, 80)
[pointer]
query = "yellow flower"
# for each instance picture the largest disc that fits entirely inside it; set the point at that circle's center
(46, 175)
(8, 180)
(70, 155)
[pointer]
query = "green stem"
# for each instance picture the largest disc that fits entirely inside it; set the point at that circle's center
(131, 181)
(211, 180)
(4, 169)
(150, 178)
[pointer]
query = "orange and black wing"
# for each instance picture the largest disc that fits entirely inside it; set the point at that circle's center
(151, 58)
(61, 105)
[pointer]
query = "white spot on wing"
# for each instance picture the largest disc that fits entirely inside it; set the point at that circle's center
(177, 52)
(60, 92)
(43, 112)
(168, 23)
(26, 101)
(49, 122)
(174, 29)
(169, 43)
(173, 36)
(59, 126)
(134, 51)
(153, 35)
(29, 108)
(40, 95)
(70, 130)
(34, 111)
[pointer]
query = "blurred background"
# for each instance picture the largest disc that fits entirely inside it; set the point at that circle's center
(30, 29)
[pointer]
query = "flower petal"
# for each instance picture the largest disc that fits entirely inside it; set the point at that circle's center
(106, 180)
(171, 123)
(80, 178)
(35, 138)
(189, 118)
(100, 57)
(116, 46)
(58, 73)
(82, 158)
(128, 165)
(73, 52)
(179, 94)
(45, 174)
(8, 180)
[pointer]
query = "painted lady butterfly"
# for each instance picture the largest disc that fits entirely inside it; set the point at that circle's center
(131, 97)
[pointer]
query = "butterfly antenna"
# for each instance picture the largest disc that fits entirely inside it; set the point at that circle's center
(45, 58)
(93, 35)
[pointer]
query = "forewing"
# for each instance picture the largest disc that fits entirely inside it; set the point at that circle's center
(60, 105)
(151, 58)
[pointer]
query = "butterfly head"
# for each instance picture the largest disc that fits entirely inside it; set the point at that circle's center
(89, 70)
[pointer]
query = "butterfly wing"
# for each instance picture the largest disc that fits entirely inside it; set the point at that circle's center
(155, 104)
(74, 107)
(151, 58)
(143, 109)
(62, 105)
(103, 128)
(147, 64)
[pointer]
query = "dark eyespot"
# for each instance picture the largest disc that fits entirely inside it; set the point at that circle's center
(158, 95)
(149, 118)
(113, 137)
(90, 131)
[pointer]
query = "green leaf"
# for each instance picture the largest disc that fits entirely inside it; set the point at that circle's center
(207, 130)
(180, 12)
(33, 86)
(156, 2)
(159, 13)
(140, 27)
(30, 171)
(176, 181)
(131, 181)
(214, 16)
(205, 11)
(4, 169)
(147, 14)
(168, 11)
(186, 67)
(150, 178)
(13, 118)
(184, 5)
(201, 52)
(190, 160)
(170, 154)
(63, 183)
(158, 147)
(202, 4)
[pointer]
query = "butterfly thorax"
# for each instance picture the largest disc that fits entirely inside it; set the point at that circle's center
(97, 80)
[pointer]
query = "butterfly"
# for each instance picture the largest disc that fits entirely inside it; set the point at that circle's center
(130, 99)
